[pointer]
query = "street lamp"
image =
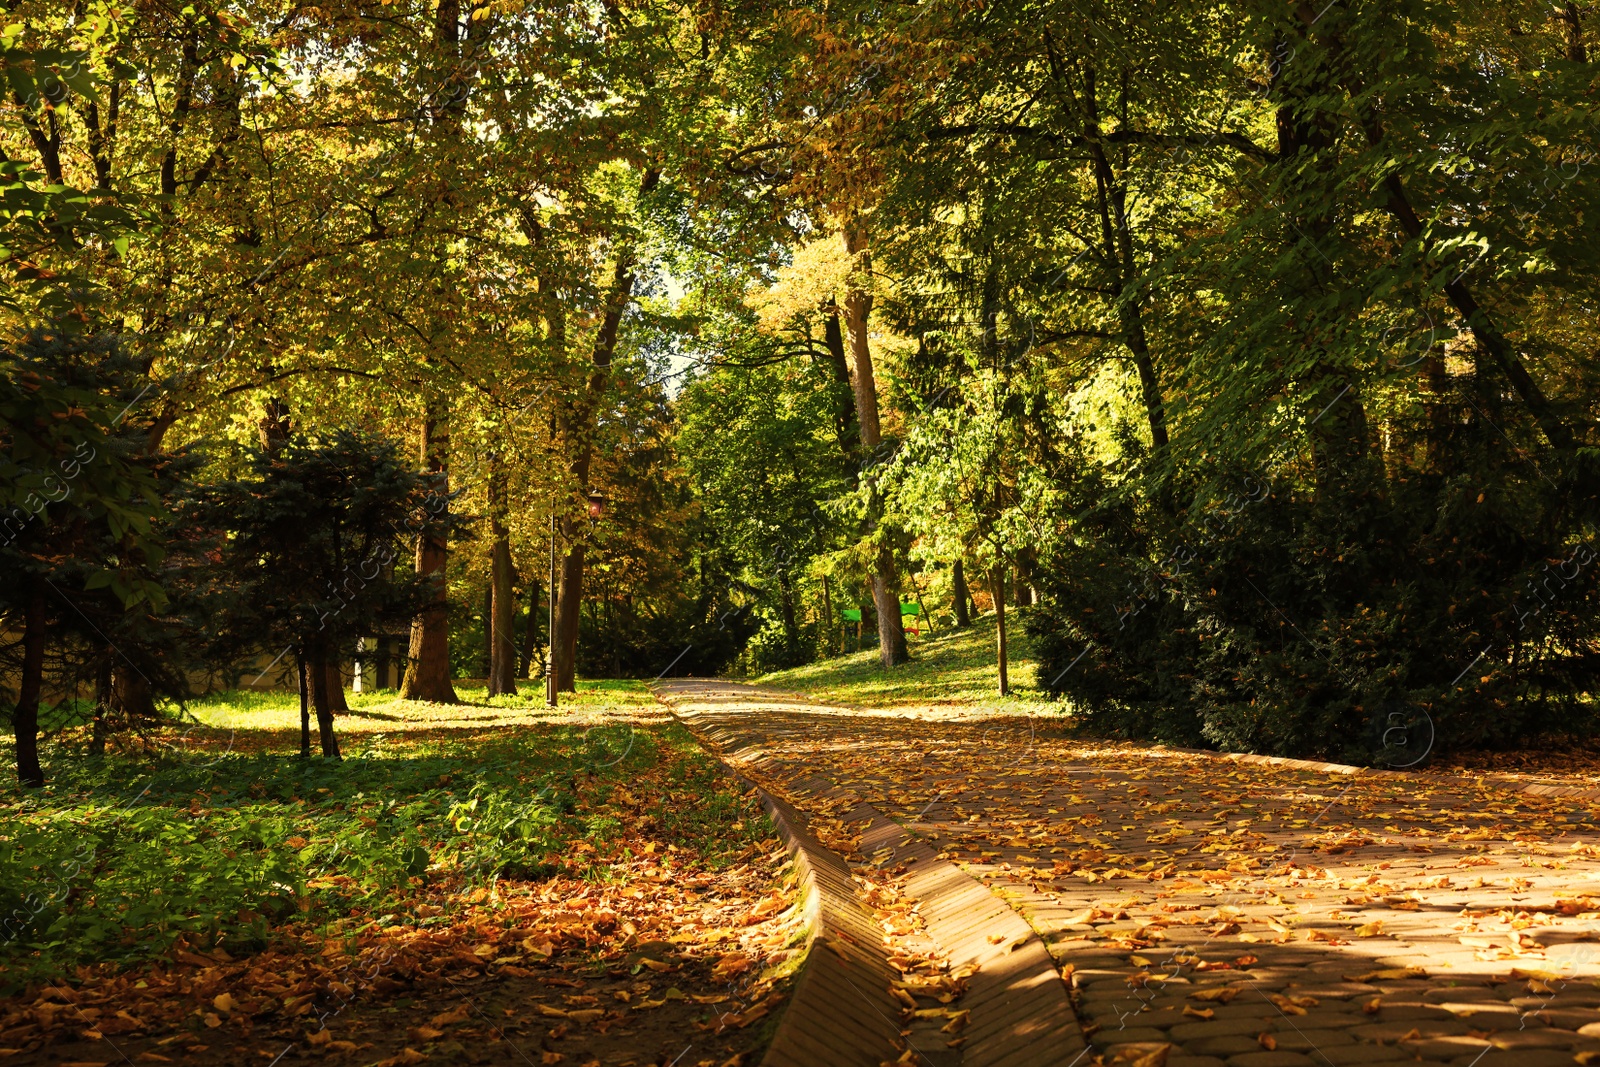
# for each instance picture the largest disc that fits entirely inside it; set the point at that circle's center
(597, 508)
(550, 629)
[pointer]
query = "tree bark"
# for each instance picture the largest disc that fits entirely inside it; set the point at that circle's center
(1000, 627)
(791, 628)
(336, 700)
(569, 602)
(380, 662)
(428, 662)
(320, 700)
(502, 576)
(958, 583)
(133, 695)
(25, 717)
(845, 427)
(1568, 13)
(858, 307)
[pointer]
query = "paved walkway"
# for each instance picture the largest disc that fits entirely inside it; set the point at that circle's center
(1207, 912)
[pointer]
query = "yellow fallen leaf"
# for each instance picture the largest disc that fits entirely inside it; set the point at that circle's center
(1198, 1013)
(223, 1003)
(958, 1022)
(1221, 994)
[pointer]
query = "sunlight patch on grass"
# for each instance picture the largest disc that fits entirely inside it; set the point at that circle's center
(951, 668)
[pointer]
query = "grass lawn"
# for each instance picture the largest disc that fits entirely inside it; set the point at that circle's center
(488, 841)
(952, 669)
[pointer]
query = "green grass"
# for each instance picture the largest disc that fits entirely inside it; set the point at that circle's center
(226, 836)
(954, 668)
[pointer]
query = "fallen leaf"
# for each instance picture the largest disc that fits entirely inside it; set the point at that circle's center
(450, 1018)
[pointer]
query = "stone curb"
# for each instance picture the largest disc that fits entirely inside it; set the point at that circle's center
(1021, 1013)
(840, 1011)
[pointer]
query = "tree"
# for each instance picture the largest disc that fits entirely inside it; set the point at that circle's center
(308, 535)
(77, 502)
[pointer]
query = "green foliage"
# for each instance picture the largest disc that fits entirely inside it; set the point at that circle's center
(104, 866)
(307, 542)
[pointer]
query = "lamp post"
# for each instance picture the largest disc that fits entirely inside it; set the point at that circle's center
(550, 629)
(597, 508)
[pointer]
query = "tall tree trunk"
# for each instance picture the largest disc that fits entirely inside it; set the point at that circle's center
(791, 628)
(1000, 627)
(428, 663)
(858, 307)
(958, 589)
(569, 603)
(321, 702)
(828, 620)
(503, 603)
(530, 631)
(25, 716)
(380, 661)
(845, 428)
(576, 430)
(305, 704)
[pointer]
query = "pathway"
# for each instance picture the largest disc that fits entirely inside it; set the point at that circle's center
(1208, 912)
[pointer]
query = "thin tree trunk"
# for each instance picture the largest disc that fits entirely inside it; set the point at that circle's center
(827, 617)
(958, 582)
(577, 432)
(380, 662)
(305, 706)
(530, 631)
(503, 603)
(428, 663)
(320, 701)
(569, 602)
(1000, 627)
(858, 307)
(791, 629)
(25, 717)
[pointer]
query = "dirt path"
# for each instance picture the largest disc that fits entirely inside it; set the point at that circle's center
(1210, 912)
